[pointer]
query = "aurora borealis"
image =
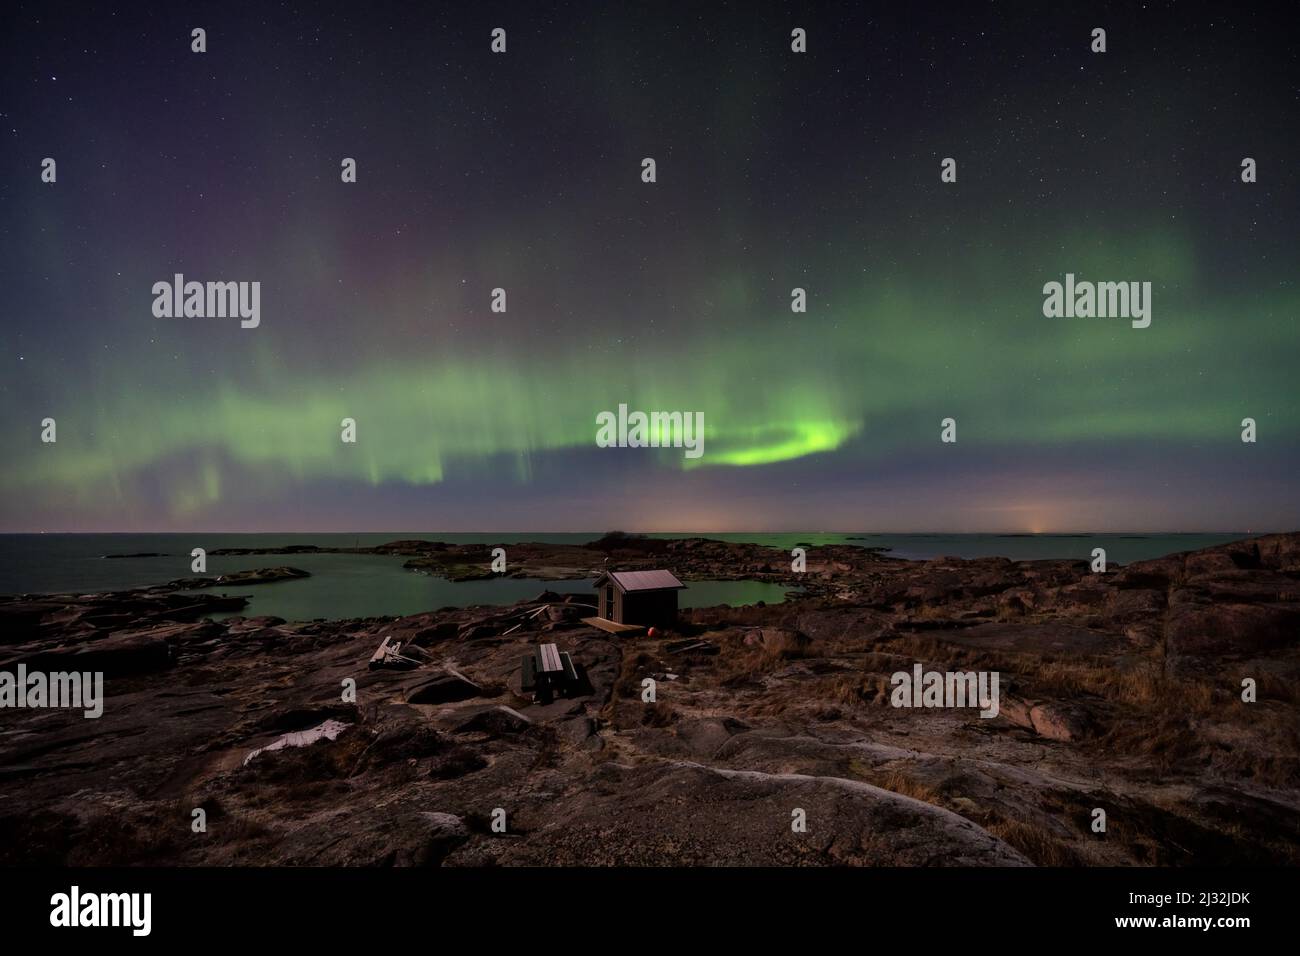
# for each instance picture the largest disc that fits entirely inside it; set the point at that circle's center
(521, 170)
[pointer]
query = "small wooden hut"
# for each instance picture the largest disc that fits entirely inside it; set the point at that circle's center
(644, 598)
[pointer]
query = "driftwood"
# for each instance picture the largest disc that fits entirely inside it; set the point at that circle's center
(531, 613)
(171, 611)
(389, 655)
(690, 646)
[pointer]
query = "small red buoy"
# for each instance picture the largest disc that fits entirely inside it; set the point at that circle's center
(652, 633)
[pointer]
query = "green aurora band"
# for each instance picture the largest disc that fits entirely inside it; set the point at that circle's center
(870, 375)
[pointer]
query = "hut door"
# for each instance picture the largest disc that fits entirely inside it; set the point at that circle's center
(609, 602)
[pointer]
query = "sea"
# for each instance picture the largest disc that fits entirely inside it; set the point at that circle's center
(363, 585)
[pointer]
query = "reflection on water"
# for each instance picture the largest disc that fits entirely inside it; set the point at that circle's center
(735, 593)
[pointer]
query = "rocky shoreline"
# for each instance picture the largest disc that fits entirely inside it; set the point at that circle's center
(1120, 691)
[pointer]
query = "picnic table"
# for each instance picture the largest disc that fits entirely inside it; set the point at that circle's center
(548, 671)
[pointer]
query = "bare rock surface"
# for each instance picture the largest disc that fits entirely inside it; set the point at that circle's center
(1121, 690)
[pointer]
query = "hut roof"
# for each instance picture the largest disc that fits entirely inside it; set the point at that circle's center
(642, 580)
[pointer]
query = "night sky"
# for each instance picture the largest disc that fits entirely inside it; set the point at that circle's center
(522, 170)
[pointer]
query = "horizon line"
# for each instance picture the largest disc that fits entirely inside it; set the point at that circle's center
(680, 533)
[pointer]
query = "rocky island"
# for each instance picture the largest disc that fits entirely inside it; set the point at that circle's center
(1162, 693)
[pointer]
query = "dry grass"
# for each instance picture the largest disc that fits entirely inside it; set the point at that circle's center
(858, 690)
(658, 714)
(740, 662)
(635, 668)
(1143, 685)
(1272, 687)
(900, 783)
(1039, 846)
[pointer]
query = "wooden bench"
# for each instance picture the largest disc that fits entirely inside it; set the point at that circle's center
(546, 671)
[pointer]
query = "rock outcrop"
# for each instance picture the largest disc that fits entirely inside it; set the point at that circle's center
(1164, 692)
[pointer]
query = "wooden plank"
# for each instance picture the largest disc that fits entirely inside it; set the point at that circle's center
(613, 627)
(570, 672)
(550, 659)
(529, 671)
(380, 655)
(692, 647)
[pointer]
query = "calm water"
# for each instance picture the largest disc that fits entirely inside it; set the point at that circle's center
(350, 585)
(355, 590)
